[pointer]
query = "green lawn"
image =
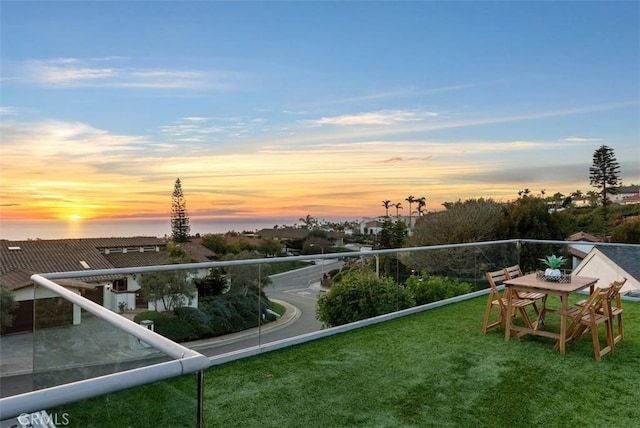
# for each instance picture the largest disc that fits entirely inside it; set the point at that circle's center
(435, 369)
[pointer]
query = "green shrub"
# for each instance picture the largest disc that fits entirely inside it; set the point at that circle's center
(224, 309)
(233, 312)
(219, 325)
(427, 289)
(361, 295)
(169, 325)
(197, 320)
(628, 232)
(177, 330)
(155, 316)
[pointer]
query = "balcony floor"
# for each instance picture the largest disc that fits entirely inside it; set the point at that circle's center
(435, 368)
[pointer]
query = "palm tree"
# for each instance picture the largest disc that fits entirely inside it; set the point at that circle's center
(422, 202)
(526, 191)
(411, 200)
(385, 204)
(398, 207)
(308, 221)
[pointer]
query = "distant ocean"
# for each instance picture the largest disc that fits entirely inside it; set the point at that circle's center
(18, 230)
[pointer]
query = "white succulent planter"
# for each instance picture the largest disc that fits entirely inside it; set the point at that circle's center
(553, 274)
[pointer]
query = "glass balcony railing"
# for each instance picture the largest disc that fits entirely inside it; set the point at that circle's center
(79, 349)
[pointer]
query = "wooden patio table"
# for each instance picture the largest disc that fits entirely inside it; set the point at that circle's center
(532, 283)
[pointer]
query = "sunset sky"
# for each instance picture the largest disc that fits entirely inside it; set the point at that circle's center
(283, 109)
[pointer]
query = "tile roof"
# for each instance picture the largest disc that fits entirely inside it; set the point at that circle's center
(134, 259)
(41, 256)
(628, 258)
(629, 189)
(136, 241)
(583, 236)
(21, 259)
(16, 279)
(197, 251)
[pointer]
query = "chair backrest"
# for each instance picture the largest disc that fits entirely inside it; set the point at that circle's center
(595, 303)
(496, 278)
(614, 291)
(513, 271)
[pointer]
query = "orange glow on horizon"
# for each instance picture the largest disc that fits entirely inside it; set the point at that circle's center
(347, 181)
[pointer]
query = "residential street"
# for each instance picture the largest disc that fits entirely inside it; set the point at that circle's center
(298, 288)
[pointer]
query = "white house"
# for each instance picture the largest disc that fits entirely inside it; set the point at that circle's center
(625, 194)
(373, 226)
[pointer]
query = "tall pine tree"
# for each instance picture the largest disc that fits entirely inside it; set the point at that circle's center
(604, 176)
(179, 217)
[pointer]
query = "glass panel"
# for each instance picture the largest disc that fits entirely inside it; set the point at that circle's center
(70, 344)
(170, 403)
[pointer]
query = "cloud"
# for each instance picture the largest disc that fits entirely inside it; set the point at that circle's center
(382, 117)
(94, 72)
(51, 143)
(397, 125)
(204, 130)
(394, 159)
(196, 119)
(580, 139)
(7, 110)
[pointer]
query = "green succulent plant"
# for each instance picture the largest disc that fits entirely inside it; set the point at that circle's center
(553, 262)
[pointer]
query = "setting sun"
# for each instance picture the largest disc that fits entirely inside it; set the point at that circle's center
(75, 217)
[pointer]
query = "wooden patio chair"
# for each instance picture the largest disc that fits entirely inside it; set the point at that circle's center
(515, 272)
(594, 312)
(496, 300)
(615, 309)
(614, 302)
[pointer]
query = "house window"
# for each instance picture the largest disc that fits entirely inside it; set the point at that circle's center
(120, 284)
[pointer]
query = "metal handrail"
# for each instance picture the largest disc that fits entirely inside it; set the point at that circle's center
(209, 265)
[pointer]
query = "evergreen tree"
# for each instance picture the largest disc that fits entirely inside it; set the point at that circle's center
(179, 217)
(604, 175)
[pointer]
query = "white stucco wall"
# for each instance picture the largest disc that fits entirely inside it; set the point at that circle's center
(27, 293)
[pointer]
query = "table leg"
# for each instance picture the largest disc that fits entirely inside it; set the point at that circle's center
(507, 322)
(563, 322)
(541, 312)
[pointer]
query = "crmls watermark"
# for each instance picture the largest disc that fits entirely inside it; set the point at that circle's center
(43, 419)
